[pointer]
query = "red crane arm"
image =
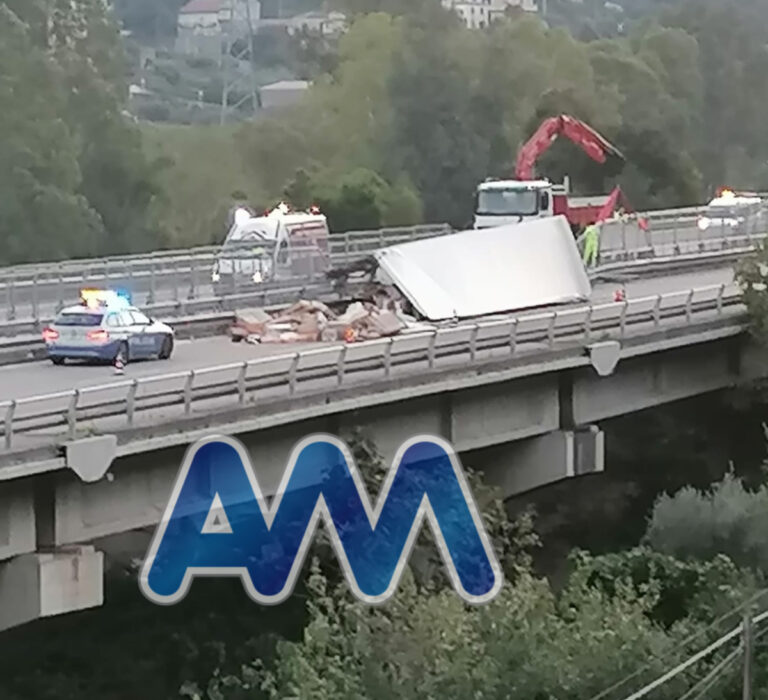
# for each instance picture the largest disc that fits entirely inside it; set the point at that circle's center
(584, 136)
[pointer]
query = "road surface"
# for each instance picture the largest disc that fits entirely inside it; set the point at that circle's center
(32, 379)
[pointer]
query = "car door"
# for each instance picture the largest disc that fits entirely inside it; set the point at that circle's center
(146, 343)
(113, 325)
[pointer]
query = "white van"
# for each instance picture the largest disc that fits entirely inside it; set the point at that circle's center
(279, 245)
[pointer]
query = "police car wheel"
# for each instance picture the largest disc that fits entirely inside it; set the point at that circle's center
(58, 360)
(167, 348)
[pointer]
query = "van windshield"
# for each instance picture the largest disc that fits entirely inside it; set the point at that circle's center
(511, 202)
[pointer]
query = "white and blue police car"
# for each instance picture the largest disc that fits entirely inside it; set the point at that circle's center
(106, 327)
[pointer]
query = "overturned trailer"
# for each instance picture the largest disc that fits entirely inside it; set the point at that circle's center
(479, 273)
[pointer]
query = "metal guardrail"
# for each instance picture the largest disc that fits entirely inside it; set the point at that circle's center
(162, 284)
(346, 242)
(44, 291)
(284, 376)
(192, 317)
(624, 239)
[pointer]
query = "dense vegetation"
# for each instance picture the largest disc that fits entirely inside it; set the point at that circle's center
(624, 616)
(409, 112)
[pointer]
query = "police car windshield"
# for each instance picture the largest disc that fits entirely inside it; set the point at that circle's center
(79, 319)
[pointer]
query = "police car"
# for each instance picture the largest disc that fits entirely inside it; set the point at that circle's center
(106, 327)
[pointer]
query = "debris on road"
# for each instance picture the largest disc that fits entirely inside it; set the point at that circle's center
(314, 321)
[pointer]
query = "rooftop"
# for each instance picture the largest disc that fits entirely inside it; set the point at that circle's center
(287, 85)
(203, 6)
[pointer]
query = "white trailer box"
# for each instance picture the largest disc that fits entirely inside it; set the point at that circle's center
(490, 271)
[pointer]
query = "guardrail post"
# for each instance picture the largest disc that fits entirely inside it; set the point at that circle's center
(175, 277)
(130, 401)
(188, 392)
(473, 342)
(689, 307)
(551, 330)
(293, 373)
(624, 238)
(720, 294)
(431, 350)
(388, 358)
(151, 293)
(657, 311)
(11, 299)
(340, 365)
(588, 324)
(241, 383)
(623, 320)
(129, 267)
(35, 302)
(192, 278)
(699, 240)
(8, 424)
(72, 414)
(61, 294)
(675, 240)
(513, 336)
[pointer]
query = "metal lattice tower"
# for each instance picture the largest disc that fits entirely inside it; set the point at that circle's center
(233, 78)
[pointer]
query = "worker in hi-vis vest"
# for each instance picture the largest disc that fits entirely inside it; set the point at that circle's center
(591, 244)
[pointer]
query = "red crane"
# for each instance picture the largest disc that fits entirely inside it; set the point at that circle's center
(584, 136)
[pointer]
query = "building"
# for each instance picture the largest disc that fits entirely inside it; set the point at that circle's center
(202, 24)
(283, 94)
(478, 14)
(325, 24)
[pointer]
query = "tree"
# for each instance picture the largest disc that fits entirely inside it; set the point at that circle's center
(435, 141)
(42, 214)
(83, 184)
(727, 519)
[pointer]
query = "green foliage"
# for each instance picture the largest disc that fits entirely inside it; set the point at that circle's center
(681, 588)
(752, 276)
(528, 643)
(78, 182)
(728, 519)
(362, 200)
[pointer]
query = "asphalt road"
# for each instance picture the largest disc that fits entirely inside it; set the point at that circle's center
(32, 379)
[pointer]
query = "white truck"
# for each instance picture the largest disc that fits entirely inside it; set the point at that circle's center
(280, 244)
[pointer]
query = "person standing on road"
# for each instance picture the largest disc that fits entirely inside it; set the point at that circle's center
(591, 244)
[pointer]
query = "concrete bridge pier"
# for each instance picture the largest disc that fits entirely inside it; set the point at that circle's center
(38, 579)
(530, 464)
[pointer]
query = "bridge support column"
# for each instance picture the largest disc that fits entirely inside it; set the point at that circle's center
(39, 585)
(562, 454)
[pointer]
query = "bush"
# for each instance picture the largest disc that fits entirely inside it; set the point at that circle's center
(728, 519)
(363, 200)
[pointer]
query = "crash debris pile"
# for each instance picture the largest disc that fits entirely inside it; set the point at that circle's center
(313, 321)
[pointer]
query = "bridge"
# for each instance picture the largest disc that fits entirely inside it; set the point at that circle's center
(85, 459)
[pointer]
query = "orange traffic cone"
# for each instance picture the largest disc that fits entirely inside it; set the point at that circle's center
(119, 364)
(620, 295)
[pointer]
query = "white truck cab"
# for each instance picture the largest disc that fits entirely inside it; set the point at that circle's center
(730, 210)
(503, 202)
(282, 243)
